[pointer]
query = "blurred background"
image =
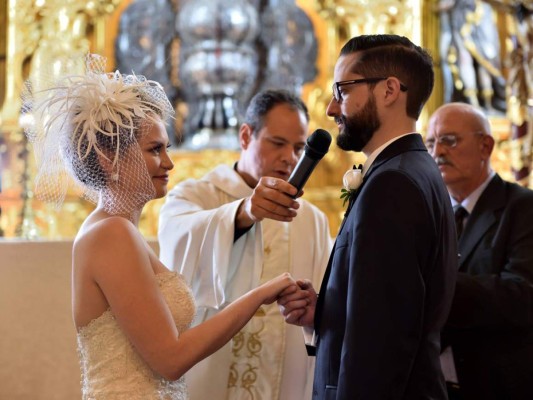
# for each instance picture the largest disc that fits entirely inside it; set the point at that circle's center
(211, 56)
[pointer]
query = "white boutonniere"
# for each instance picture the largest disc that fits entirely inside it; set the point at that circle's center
(351, 180)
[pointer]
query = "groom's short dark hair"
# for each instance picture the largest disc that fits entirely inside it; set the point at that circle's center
(393, 55)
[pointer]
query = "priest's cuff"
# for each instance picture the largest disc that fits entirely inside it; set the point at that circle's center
(239, 232)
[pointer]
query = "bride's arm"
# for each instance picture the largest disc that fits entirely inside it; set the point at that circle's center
(206, 338)
(120, 266)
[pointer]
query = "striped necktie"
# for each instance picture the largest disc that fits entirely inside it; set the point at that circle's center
(460, 215)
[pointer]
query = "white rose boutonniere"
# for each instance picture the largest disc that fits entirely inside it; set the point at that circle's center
(351, 180)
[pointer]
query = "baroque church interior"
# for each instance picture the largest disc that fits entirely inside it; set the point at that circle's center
(211, 56)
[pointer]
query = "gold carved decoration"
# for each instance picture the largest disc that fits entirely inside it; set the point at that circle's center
(43, 39)
(93, 24)
(41, 35)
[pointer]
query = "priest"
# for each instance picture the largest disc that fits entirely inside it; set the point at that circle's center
(237, 227)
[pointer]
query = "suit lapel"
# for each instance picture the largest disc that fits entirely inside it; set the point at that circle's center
(323, 285)
(407, 143)
(482, 217)
(412, 142)
(351, 203)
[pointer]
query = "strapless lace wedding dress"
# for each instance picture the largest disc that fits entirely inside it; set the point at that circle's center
(111, 368)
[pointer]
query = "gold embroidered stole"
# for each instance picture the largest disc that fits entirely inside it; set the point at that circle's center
(258, 349)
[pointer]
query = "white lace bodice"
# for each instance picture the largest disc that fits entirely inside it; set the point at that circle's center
(110, 366)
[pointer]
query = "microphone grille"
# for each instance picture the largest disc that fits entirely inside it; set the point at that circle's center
(319, 141)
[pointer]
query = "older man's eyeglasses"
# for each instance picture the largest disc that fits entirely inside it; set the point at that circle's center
(337, 94)
(448, 141)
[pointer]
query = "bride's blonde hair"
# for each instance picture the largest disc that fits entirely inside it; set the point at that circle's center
(83, 122)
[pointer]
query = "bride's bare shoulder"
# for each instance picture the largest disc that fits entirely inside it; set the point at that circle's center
(108, 236)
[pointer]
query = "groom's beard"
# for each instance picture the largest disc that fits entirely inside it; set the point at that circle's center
(359, 129)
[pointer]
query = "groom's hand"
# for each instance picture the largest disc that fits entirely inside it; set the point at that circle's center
(297, 304)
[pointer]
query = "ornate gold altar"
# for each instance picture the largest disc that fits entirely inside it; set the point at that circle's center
(38, 33)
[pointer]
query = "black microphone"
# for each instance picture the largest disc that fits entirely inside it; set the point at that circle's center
(316, 147)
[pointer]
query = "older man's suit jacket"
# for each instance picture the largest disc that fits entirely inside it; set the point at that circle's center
(388, 287)
(490, 326)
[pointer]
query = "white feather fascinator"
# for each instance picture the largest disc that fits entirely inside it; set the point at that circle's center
(80, 120)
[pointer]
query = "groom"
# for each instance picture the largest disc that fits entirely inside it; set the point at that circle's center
(388, 287)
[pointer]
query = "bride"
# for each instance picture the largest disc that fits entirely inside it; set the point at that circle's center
(131, 313)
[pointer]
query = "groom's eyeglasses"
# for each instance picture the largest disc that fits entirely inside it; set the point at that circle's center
(337, 94)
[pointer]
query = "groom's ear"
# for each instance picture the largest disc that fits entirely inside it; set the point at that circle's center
(392, 90)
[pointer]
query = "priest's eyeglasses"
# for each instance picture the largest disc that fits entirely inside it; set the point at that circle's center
(337, 94)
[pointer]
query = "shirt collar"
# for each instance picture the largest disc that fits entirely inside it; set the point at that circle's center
(372, 157)
(470, 201)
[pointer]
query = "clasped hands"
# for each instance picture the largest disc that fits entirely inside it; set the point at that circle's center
(297, 303)
(274, 198)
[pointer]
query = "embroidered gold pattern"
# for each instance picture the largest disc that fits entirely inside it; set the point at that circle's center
(257, 351)
(251, 341)
(238, 343)
(233, 376)
(249, 378)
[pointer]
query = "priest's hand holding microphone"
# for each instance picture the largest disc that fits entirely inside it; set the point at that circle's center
(274, 196)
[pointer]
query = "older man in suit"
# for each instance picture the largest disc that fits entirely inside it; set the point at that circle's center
(388, 287)
(490, 328)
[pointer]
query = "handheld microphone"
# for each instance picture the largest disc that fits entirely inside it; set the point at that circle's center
(316, 147)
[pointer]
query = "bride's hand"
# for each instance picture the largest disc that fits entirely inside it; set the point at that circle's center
(271, 290)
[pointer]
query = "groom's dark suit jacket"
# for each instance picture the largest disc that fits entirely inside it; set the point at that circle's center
(388, 287)
(490, 326)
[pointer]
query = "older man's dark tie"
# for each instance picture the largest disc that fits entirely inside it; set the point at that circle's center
(460, 215)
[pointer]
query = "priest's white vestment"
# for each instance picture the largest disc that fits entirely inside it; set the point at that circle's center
(196, 238)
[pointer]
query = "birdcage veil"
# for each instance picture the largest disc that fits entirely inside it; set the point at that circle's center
(87, 127)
